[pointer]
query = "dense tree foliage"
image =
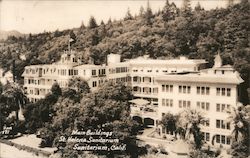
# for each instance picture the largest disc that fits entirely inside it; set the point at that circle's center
(240, 118)
(169, 122)
(189, 122)
(106, 109)
(41, 112)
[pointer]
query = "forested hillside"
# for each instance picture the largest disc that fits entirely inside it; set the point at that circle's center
(168, 33)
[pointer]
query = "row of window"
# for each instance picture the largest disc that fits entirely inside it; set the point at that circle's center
(185, 89)
(184, 104)
(145, 90)
(222, 139)
(167, 102)
(223, 92)
(203, 105)
(199, 90)
(150, 70)
(222, 107)
(144, 79)
(167, 88)
(101, 72)
(203, 90)
(221, 124)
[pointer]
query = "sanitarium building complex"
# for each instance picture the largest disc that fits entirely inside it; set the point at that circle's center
(167, 85)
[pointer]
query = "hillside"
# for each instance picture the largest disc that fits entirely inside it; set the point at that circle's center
(169, 33)
(5, 34)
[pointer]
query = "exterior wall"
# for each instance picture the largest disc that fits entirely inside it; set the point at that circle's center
(212, 114)
(43, 76)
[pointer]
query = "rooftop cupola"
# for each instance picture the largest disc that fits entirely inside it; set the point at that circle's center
(217, 61)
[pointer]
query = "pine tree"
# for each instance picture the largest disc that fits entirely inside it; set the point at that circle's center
(92, 23)
(198, 7)
(230, 3)
(186, 8)
(128, 15)
(148, 14)
(72, 36)
(168, 14)
(141, 11)
(82, 27)
(102, 23)
(109, 21)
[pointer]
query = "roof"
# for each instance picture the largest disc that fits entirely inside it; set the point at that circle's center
(139, 102)
(202, 78)
(181, 61)
(225, 67)
(87, 66)
(180, 147)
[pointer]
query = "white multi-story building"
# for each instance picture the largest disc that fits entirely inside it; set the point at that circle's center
(168, 85)
(211, 91)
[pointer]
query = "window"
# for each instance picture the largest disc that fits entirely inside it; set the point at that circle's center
(93, 72)
(228, 140)
(217, 138)
(163, 88)
(217, 91)
(228, 92)
(94, 84)
(163, 102)
(206, 123)
(188, 89)
(203, 90)
(223, 91)
(206, 136)
(75, 72)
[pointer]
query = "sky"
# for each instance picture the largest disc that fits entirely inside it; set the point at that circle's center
(34, 16)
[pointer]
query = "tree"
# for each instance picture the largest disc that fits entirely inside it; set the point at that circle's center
(168, 12)
(1, 88)
(189, 121)
(141, 11)
(128, 15)
(56, 90)
(78, 84)
(82, 27)
(240, 118)
(148, 15)
(92, 23)
(15, 98)
(41, 112)
(186, 8)
(169, 121)
(198, 7)
(230, 3)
